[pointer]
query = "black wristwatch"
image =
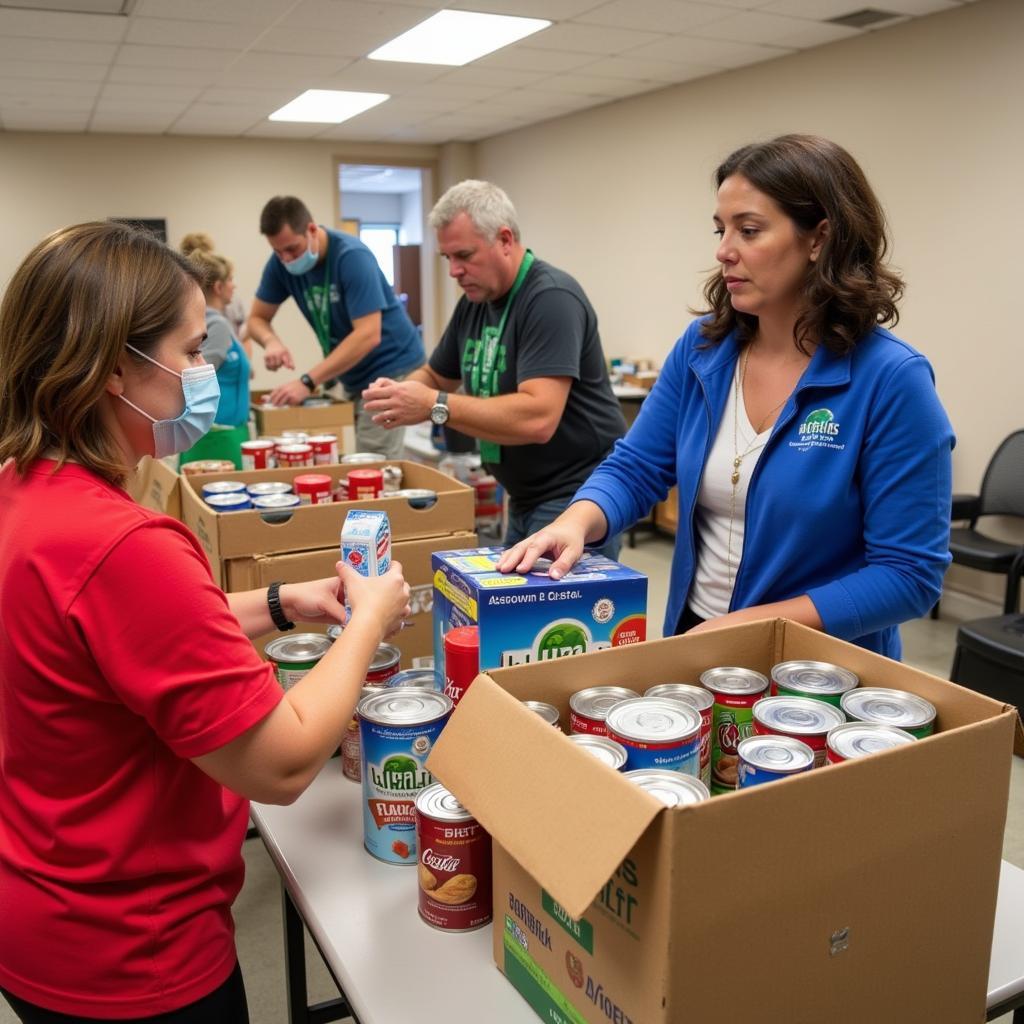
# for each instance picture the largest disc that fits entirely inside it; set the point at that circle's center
(308, 381)
(276, 611)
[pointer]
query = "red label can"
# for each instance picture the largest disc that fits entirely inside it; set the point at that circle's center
(461, 660)
(258, 454)
(325, 449)
(384, 665)
(313, 488)
(291, 456)
(365, 483)
(454, 863)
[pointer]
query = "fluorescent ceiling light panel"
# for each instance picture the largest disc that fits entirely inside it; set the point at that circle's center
(457, 37)
(328, 106)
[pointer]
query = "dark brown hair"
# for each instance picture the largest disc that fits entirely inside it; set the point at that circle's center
(849, 289)
(284, 210)
(77, 299)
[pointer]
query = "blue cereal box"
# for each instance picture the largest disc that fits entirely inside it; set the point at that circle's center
(525, 617)
(366, 542)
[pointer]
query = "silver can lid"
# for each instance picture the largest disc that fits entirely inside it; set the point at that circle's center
(441, 804)
(546, 711)
(733, 679)
(276, 501)
(858, 739)
(232, 500)
(354, 458)
(298, 647)
(888, 707)
(404, 706)
(421, 678)
(418, 497)
(780, 754)
(266, 487)
(803, 716)
(814, 677)
(696, 696)
(605, 750)
(673, 789)
(294, 448)
(385, 656)
(596, 701)
(224, 487)
(653, 720)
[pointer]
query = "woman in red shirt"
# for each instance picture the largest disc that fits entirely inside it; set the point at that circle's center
(136, 719)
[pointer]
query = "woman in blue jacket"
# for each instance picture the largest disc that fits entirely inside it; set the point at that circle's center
(811, 452)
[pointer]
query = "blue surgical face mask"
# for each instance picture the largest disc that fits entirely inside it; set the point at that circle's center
(302, 264)
(202, 396)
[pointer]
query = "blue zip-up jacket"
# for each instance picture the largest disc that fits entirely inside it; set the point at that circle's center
(849, 502)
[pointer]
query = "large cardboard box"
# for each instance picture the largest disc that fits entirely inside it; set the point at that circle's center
(230, 535)
(414, 641)
(854, 893)
(337, 418)
(157, 486)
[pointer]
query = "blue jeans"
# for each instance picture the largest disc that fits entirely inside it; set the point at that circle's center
(524, 521)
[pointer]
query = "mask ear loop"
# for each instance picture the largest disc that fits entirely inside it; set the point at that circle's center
(141, 412)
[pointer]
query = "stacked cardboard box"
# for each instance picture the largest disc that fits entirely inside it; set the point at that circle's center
(156, 485)
(338, 418)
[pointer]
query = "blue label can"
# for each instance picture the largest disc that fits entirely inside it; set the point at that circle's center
(397, 730)
(657, 732)
(769, 758)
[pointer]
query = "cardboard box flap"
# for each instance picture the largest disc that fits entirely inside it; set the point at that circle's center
(566, 818)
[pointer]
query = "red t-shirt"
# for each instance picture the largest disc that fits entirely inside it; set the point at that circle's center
(119, 660)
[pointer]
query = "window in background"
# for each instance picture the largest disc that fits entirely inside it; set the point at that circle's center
(381, 239)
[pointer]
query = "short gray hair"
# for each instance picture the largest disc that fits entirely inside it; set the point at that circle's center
(486, 205)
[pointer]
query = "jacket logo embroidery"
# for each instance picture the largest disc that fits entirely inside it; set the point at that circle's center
(818, 430)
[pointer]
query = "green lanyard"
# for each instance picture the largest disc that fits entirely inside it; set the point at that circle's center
(483, 375)
(321, 311)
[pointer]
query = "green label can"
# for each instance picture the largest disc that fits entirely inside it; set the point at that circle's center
(736, 691)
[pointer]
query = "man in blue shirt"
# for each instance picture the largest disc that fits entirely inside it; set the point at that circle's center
(363, 331)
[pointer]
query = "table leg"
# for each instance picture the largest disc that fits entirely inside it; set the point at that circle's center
(294, 962)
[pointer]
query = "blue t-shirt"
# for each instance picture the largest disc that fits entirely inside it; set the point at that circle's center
(227, 354)
(358, 288)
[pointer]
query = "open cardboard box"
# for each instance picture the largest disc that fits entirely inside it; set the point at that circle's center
(229, 535)
(337, 418)
(155, 485)
(854, 893)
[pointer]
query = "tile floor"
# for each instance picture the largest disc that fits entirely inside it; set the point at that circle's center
(927, 645)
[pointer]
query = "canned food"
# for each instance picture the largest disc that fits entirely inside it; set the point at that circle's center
(208, 466)
(588, 709)
(392, 478)
(265, 487)
(816, 679)
(671, 788)
(313, 488)
(237, 501)
(397, 731)
(317, 403)
(223, 487)
(421, 678)
(605, 750)
(657, 733)
(325, 448)
(546, 711)
(258, 454)
(700, 699)
(276, 508)
(294, 437)
(294, 456)
(461, 660)
(455, 863)
(735, 691)
(800, 717)
(364, 484)
(293, 656)
(384, 665)
(357, 458)
(350, 746)
(767, 758)
(904, 710)
(859, 739)
(418, 497)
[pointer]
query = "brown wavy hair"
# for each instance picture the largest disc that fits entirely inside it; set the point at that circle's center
(77, 299)
(849, 289)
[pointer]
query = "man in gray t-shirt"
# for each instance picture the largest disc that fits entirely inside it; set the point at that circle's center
(523, 344)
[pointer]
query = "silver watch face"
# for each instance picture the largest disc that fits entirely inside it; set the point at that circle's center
(439, 414)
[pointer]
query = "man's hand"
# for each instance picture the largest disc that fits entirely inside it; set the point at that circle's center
(275, 355)
(291, 393)
(399, 403)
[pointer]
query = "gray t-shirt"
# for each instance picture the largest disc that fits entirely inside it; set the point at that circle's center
(551, 331)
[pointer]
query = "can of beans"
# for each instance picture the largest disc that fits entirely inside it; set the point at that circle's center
(384, 665)
(216, 487)
(800, 717)
(768, 758)
(605, 750)
(701, 699)
(671, 788)
(588, 709)
(364, 484)
(461, 660)
(294, 656)
(455, 863)
(325, 448)
(735, 690)
(546, 711)
(350, 747)
(208, 466)
(265, 487)
(859, 739)
(891, 707)
(236, 501)
(258, 454)
(816, 679)
(294, 456)
(657, 733)
(276, 508)
(422, 678)
(313, 488)
(397, 731)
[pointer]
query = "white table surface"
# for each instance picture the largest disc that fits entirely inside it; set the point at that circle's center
(363, 916)
(629, 391)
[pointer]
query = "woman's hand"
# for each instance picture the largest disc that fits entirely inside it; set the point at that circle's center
(314, 601)
(563, 540)
(384, 599)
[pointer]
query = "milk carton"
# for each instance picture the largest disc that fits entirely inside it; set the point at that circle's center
(366, 542)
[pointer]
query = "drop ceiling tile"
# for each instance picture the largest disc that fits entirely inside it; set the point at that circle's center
(755, 27)
(526, 58)
(43, 121)
(263, 99)
(422, 106)
(468, 93)
(50, 104)
(592, 85)
(95, 28)
(663, 16)
(356, 43)
(503, 78)
(163, 76)
(595, 39)
(207, 35)
(15, 48)
(211, 129)
(708, 52)
(29, 70)
(236, 116)
(24, 88)
(180, 57)
(137, 92)
(162, 112)
(381, 76)
(253, 12)
(553, 10)
(281, 64)
(653, 70)
(284, 130)
(374, 19)
(129, 124)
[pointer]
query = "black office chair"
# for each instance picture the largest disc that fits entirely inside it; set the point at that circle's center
(1002, 494)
